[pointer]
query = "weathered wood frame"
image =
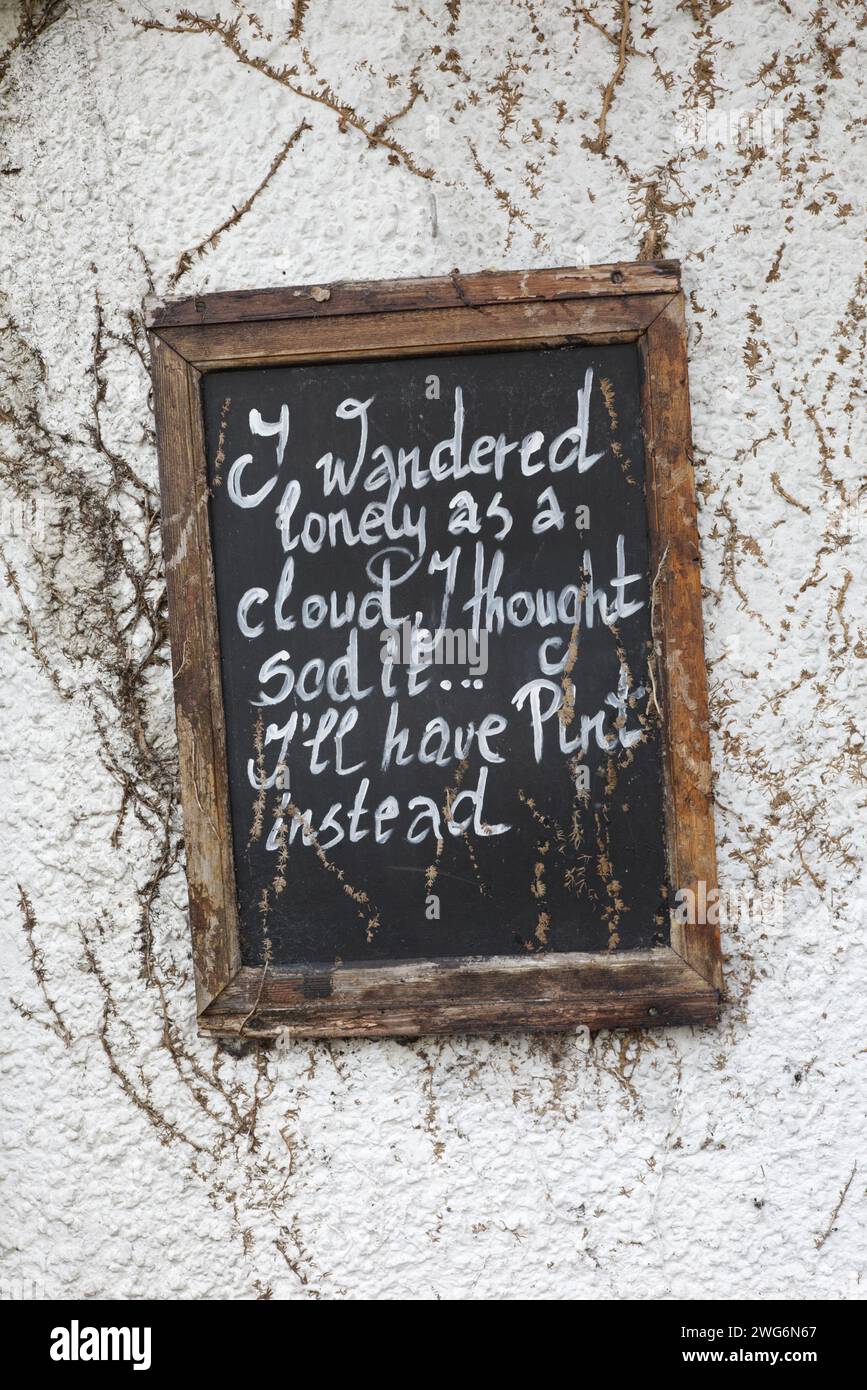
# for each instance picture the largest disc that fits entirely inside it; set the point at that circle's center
(640, 303)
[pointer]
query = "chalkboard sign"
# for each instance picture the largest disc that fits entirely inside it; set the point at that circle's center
(435, 610)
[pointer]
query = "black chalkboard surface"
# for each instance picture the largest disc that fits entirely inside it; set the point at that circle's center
(388, 803)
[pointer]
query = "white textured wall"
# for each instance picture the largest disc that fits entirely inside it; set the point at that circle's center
(140, 1161)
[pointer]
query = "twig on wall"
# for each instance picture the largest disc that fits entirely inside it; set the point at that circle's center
(35, 20)
(600, 144)
(820, 1240)
(347, 117)
(195, 253)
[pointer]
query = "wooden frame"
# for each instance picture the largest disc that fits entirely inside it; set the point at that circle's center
(640, 303)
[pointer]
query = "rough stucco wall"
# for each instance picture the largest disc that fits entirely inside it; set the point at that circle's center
(140, 1161)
